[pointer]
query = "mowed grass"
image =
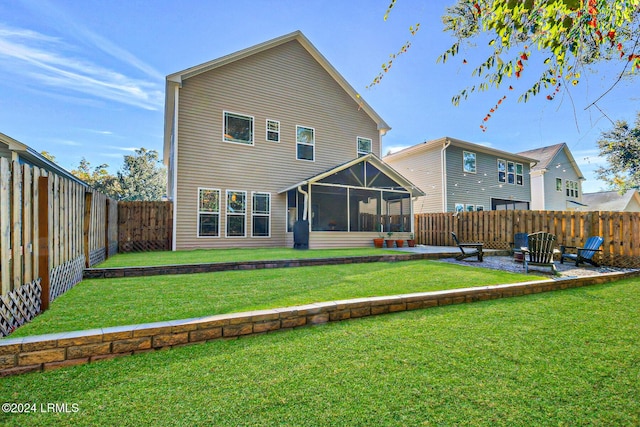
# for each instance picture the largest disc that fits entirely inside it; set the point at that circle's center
(201, 256)
(566, 358)
(123, 301)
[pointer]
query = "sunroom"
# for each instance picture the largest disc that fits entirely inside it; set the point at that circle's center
(351, 204)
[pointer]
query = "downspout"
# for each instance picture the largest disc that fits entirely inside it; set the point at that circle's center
(306, 198)
(443, 158)
(175, 165)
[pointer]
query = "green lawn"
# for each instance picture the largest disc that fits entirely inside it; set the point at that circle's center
(199, 256)
(565, 358)
(124, 301)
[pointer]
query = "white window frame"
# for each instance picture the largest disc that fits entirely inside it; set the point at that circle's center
(238, 115)
(363, 153)
(504, 163)
(199, 212)
(519, 174)
(255, 214)
(511, 173)
(571, 188)
(277, 132)
(464, 164)
(559, 188)
(313, 144)
(234, 214)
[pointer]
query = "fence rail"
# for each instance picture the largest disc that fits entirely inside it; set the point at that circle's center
(496, 229)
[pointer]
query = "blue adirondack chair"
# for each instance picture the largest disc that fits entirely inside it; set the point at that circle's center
(584, 254)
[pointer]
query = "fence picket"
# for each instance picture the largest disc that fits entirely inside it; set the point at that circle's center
(620, 230)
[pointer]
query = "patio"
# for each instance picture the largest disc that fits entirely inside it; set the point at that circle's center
(495, 259)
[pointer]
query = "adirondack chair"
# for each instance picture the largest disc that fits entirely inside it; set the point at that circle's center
(584, 254)
(539, 251)
(519, 242)
(468, 245)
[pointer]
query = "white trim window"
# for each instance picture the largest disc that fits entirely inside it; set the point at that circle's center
(273, 130)
(237, 128)
(261, 214)
(519, 174)
(511, 172)
(365, 146)
(305, 143)
(572, 188)
(236, 213)
(208, 212)
(502, 170)
(559, 185)
(468, 162)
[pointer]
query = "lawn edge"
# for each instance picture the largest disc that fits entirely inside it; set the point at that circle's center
(46, 352)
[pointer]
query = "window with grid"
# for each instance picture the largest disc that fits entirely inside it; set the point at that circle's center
(208, 212)
(236, 213)
(305, 143)
(261, 215)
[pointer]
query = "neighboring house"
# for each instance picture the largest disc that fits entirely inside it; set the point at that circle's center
(458, 175)
(17, 151)
(270, 135)
(556, 181)
(612, 201)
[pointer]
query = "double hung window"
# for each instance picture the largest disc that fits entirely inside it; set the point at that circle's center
(305, 143)
(208, 212)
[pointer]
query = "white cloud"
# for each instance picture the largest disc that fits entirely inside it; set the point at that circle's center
(43, 59)
(131, 149)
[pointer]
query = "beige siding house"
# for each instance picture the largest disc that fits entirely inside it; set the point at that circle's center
(556, 180)
(254, 142)
(456, 175)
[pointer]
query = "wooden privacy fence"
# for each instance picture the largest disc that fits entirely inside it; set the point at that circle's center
(145, 226)
(496, 229)
(51, 228)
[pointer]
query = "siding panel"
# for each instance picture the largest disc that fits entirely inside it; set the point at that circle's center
(286, 84)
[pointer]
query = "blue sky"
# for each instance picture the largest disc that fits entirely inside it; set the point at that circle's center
(85, 78)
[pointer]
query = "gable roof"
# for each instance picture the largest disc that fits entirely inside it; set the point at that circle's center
(547, 155)
(610, 200)
(370, 158)
(176, 79)
(438, 143)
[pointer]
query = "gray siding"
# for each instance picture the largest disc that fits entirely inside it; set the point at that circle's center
(481, 187)
(560, 168)
(283, 83)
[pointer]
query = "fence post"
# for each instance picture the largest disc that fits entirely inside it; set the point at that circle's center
(43, 240)
(88, 198)
(106, 229)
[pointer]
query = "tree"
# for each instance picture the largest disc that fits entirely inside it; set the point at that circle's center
(142, 177)
(621, 147)
(99, 178)
(47, 155)
(569, 34)
(564, 36)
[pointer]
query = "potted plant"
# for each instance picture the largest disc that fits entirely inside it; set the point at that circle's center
(389, 241)
(411, 242)
(399, 243)
(378, 242)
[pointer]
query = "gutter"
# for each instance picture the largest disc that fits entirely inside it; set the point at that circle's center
(443, 158)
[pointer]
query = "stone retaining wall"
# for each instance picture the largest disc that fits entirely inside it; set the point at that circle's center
(106, 273)
(46, 352)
